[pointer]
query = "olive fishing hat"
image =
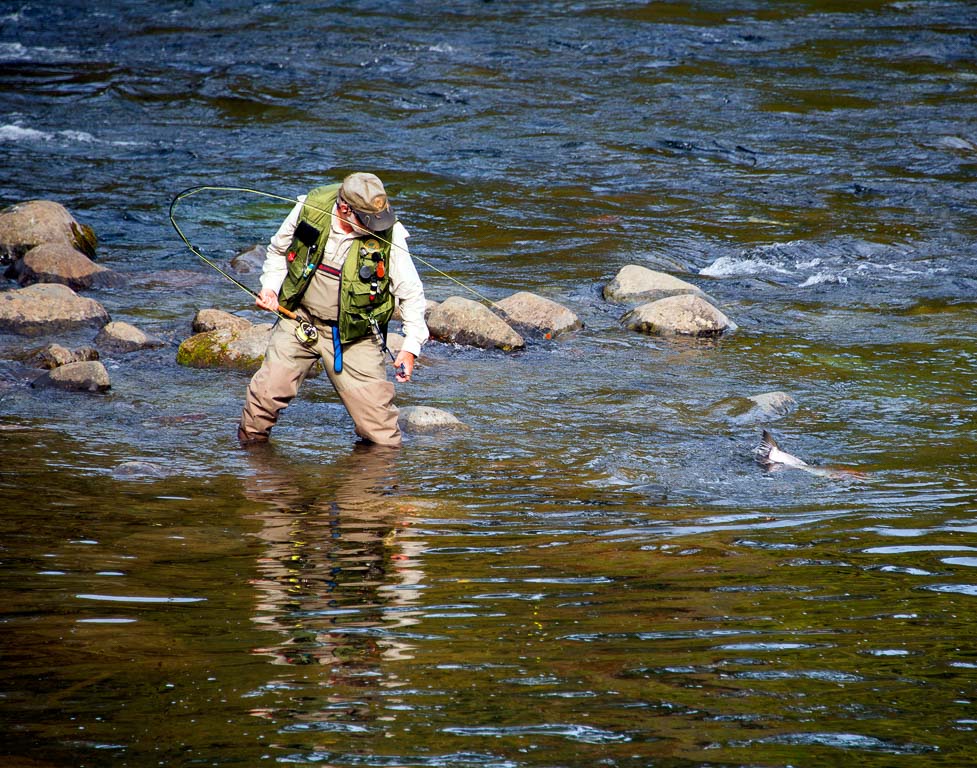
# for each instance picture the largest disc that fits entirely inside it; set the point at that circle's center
(365, 194)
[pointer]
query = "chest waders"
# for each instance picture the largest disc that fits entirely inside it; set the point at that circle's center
(365, 300)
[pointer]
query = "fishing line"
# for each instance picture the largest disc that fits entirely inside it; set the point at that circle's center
(189, 192)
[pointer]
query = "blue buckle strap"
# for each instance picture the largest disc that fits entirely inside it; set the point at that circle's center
(337, 350)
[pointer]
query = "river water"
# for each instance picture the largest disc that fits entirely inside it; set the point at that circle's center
(595, 572)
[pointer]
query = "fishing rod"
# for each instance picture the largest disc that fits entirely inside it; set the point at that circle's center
(306, 332)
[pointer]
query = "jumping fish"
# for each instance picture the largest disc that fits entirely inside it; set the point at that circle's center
(771, 456)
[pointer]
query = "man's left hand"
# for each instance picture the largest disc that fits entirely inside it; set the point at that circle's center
(405, 359)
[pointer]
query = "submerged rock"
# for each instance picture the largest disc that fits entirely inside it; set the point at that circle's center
(251, 260)
(48, 308)
(61, 263)
(242, 349)
(635, 283)
(423, 418)
(755, 409)
(135, 470)
(89, 376)
(463, 321)
(27, 225)
(123, 337)
(527, 310)
(685, 315)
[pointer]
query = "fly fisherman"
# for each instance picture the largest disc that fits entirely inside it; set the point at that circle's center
(339, 262)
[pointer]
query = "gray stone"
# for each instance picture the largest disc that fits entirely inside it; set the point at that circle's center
(226, 348)
(636, 283)
(55, 355)
(423, 418)
(463, 321)
(27, 225)
(61, 263)
(123, 337)
(538, 314)
(684, 315)
(48, 308)
(89, 376)
(211, 319)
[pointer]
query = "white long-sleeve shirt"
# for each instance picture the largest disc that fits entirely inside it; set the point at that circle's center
(405, 283)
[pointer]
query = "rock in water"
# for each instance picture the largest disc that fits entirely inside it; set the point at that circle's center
(48, 308)
(89, 376)
(423, 418)
(635, 283)
(62, 263)
(123, 337)
(685, 315)
(527, 310)
(226, 348)
(463, 321)
(27, 225)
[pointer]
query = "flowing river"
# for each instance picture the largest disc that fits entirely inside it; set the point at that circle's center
(596, 572)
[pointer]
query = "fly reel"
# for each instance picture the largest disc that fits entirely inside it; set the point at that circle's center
(307, 334)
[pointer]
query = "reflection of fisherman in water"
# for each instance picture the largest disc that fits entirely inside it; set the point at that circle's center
(336, 575)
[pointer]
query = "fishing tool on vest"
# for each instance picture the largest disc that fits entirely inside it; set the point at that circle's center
(308, 235)
(371, 272)
(378, 335)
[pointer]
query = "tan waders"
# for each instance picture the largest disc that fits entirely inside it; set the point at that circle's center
(362, 385)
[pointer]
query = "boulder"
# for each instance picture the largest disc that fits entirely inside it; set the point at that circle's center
(635, 283)
(685, 315)
(61, 263)
(48, 308)
(241, 350)
(89, 376)
(755, 409)
(55, 355)
(423, 418)
(463, 321)
(123, 337)
(26, 225)
(211, 319)
(251, 260)
(526, 310)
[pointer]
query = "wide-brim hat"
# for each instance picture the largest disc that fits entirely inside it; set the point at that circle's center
(364, 193)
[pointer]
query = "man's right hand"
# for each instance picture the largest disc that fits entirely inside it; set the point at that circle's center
(267, 299)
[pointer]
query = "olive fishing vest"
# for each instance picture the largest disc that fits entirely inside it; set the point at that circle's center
(364, 281)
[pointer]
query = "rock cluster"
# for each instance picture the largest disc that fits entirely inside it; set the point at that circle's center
(668, 306)
(51, 255)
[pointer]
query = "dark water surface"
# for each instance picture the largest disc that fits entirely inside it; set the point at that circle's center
(596, 572)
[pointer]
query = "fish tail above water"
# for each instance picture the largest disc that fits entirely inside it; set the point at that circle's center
(764, 448)
(769, 454)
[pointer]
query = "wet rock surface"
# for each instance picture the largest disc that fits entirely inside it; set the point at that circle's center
(536, 314)
(90, 376)
(684, 315)
(458, 320)
(47, 308)
(32, 223)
